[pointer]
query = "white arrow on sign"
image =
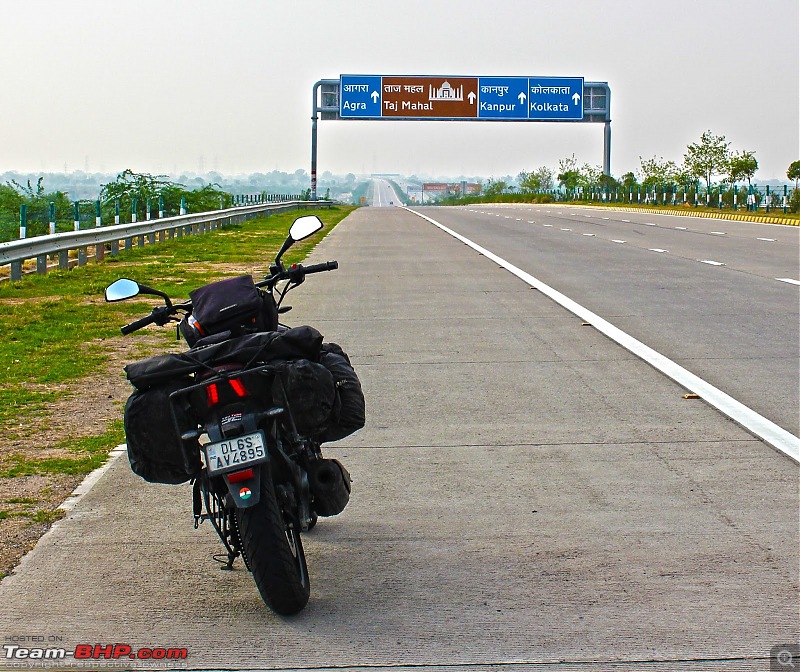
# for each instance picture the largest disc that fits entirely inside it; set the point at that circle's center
(522, 97)
(471, 97)
(375, 95)
(576, 97)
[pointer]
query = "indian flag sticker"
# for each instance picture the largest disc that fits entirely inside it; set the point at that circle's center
(245, 493)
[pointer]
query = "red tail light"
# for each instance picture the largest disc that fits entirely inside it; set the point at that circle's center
(238, 387)
(213, 394)
(236, 476)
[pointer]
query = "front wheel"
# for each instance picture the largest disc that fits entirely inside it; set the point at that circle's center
(271, 543)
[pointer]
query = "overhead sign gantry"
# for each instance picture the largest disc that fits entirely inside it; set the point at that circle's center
(460, 98)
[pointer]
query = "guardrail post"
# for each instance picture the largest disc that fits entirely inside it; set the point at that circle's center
(23, 221)
(77, 216)
(52, 218)
(41, 264)
(16, 271)
(128, 243)
(63, 260)
(81, 256)
(99, 249)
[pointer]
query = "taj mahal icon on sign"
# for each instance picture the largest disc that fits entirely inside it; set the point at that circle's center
(446, 92)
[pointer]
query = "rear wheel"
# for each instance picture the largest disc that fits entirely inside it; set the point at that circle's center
(271, 542)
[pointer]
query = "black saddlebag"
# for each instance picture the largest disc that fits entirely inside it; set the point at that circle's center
(349, 411)
(325, 398)
(310, 392)
(261, 347)
(234, 306)
(155, 449)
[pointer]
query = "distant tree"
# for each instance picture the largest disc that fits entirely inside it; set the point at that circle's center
(130, 185)
(629, 180)
(570, 179)
(793, 173)
(495, 187)
(529, 183)
(608, 182)
(545, 176)
(654, 172)
(742, 165)
(708, 157)
(590, 175)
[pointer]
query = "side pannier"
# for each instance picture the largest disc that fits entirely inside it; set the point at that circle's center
(155, 449)
(325, 398)
(349, 412)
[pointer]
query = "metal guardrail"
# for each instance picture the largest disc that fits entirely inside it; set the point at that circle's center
(16, 252)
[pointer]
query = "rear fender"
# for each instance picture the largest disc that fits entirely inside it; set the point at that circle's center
(245, 486)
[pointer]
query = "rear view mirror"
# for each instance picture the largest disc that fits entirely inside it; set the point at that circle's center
(122, 289)
(304, 227)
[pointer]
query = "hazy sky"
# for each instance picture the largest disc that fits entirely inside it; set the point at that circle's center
(194, 84)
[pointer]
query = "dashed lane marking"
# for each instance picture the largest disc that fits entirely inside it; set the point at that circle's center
(757, 424)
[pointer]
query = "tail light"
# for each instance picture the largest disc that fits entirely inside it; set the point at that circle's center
(213, 391)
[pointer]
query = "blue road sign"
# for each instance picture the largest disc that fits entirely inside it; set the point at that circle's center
(498, 98)
(502, 98)
(555, 98)
(360, 96)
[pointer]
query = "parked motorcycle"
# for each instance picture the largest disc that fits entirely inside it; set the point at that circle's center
(242, 415)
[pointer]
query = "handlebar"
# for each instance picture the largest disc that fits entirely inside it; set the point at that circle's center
(138, 324)
(296, 273)
(318, 268)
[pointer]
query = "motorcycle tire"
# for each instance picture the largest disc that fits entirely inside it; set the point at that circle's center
(271, 542)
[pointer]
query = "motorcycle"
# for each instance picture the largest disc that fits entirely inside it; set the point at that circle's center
(242, 415)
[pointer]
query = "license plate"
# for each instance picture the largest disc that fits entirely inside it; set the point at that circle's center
(235, 453)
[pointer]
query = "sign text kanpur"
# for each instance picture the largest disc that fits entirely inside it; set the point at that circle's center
(461, 98)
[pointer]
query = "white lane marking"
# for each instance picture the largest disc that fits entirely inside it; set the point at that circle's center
(619, 241)
(627, 221)
(588, 234)
(566, 229)
(605, 217)
(681, 228)
(789, 280)
(767, 240)
(531, 222)
(649, 224)
(550, 226)
(519, 219)
(708, 261)
(657, 249)
(718, 233)
(765, 429)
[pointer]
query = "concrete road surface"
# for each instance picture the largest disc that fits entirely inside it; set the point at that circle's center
(527, 496)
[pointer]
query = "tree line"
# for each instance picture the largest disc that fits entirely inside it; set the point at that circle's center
(705, 161)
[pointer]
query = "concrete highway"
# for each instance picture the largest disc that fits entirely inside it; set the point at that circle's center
(527, 494)
(718, 297)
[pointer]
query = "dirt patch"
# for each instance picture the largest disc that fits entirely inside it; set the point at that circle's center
(87, 407)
